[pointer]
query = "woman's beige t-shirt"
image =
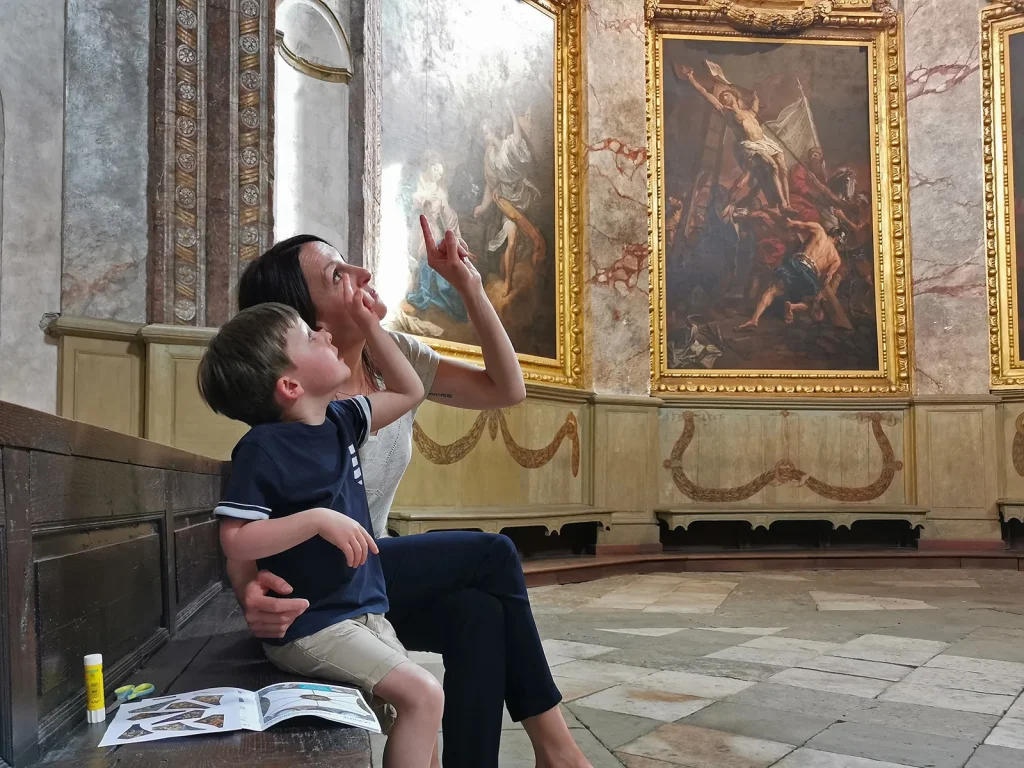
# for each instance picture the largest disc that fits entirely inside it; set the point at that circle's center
(386, 454)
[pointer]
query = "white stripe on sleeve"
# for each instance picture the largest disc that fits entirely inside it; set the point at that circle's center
(241, 511)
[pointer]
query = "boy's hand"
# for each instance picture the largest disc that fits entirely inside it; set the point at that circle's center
(348, 536)
(359, 304)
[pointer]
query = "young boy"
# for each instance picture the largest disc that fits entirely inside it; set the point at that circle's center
(296, 502)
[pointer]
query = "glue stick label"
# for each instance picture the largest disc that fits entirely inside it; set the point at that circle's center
(94, 687)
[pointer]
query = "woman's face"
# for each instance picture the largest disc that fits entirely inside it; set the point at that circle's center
(436, 171)
(323, 268)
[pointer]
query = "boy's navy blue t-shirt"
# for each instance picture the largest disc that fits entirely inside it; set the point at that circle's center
(286, 467)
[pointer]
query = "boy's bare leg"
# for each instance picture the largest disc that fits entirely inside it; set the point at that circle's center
(419, 701)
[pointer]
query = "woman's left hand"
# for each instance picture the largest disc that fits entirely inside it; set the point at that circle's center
(451, 259)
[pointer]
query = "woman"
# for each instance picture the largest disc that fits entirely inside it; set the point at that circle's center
(460, 594)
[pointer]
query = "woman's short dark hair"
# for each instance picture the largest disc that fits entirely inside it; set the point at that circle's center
(276, 276)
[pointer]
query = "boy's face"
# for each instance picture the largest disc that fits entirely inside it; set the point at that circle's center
(315, 361)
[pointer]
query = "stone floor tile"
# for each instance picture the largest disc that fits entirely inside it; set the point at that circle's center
(835, 706)
(767, 656)
(931, 584)
(601, 672)
(1000, 650)
(1017, 710)
(758, 722)
(812, 758)
(947, 698)
(965, 726)
(645, 631)
(613, 729)
(893, 746)
(790, 644)
(702, 686)
(994, 757)
(890, 649)
(1008, 670)
(633, 761)
(756, 631)
(645, 702)
(878, 670)
(1009, 733)
(832, 682)
(572, 689)
(664, 655)
(684, 745)
(572, 650)
(738, 670)
(960, 680)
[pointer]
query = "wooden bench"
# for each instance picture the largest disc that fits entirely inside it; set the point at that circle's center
(763, 516)
(216, 649)
(551, 517)
(1011, 509)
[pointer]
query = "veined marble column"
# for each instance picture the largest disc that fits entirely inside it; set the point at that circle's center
(946, 196)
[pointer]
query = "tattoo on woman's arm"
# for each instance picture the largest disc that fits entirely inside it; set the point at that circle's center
(440, 394)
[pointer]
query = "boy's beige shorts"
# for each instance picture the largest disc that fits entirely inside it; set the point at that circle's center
(357, 652)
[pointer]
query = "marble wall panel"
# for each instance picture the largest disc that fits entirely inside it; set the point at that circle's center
(106, 159)
(32, 93)
(617, 313)
(946, 197)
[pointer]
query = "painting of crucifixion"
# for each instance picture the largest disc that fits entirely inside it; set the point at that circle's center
(770, 257)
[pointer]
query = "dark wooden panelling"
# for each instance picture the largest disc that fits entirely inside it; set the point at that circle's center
(106, 600)
(194, 492)
(89, 523)
(5, 683)
(78, 584)
(20, 629)
(3, 500)
(199, 561)
(33, 430)
(67, 488)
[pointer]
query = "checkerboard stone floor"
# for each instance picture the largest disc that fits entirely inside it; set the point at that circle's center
(845, 669)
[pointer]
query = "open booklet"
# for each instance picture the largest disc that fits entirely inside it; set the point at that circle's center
(217, 710)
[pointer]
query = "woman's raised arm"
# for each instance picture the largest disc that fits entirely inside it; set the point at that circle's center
(499, 383)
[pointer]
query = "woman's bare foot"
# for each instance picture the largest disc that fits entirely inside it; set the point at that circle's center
(553, 744)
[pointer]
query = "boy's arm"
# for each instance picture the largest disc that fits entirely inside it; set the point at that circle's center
(255, 539)
(404, 388)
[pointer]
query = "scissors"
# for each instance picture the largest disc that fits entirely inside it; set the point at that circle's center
(132, 692)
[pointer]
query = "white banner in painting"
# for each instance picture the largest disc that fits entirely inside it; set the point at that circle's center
(794, 130)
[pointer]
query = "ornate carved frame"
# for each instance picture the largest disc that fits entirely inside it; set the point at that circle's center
(1005, 361)
(210, 188)
(566, 368)
(875, 25)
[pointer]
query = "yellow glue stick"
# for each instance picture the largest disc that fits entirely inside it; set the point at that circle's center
(94, 709)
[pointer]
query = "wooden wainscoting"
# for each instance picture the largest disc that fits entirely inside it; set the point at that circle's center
(106, 546)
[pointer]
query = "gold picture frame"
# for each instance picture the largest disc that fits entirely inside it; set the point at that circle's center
(565, 366)
(859, 24)
(998, 23)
